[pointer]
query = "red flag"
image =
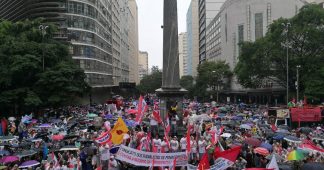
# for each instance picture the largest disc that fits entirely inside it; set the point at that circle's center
(174, 163)
(274, 128)
(156, 115)
(230, 154)
(104, 138)
(142, 108)
(204, 162)
(215, 135)
(167, 125)
(188, 139)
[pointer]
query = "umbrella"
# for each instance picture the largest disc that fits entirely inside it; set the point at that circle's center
(312, 166)
(223, 109)
(11, 119)
(292, 139)
(261, 151)
(253, 141)
(282, 131)
(306, 130)
(130, 123)
(7, 138)
(46, 125)
(28, 164)
(4, 152)
(278, 157)
(8, 159)
(245, 126)
(278, 136)
(114, 150)
(131, 111)
(25, 153)
(267, 146)
(283, 127)
(92, 115)
(237, 118)
(295, 155)
(55, 120)
(226, 135)
(69, 148)
(57, 137)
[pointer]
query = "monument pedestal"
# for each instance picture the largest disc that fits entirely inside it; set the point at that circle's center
(168, 97)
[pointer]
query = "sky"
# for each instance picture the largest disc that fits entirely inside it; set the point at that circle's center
(150, 19)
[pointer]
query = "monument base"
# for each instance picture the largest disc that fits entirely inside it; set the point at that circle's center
(169, 97)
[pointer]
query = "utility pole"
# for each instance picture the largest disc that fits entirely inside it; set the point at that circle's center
(297, 82)
(43, 28)
(287, 25)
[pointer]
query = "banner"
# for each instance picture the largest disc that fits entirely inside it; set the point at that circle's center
(306, 114)
(282, 113)
(141, 158)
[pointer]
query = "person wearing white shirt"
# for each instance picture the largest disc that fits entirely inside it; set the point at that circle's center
(104, 156)
(154, 125)
(174, 144)
(193, 152)
(164, 146)
(201, 147)
(183, 144)
(157, 143)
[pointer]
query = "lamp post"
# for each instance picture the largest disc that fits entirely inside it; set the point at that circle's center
(287, 25)
(297, 82)
(43, 28)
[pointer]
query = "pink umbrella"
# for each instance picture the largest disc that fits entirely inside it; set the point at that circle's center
(132, 111)
(57, 137)
(253, 141)
(261, 151)
(9, 159)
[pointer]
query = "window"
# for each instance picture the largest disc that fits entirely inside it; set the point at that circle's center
(240, 33)
(258, 25)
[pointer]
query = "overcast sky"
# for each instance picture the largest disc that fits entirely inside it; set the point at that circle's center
(150, 17)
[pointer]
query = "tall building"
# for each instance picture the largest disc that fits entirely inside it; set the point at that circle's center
(192, 60)
(182, 53)
(97, 29)
(208, 9)
(246, 20)
(142, 64)
(133, 41)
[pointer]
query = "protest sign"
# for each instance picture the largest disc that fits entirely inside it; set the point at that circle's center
(141, 158)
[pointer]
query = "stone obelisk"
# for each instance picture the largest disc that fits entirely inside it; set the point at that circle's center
(170, 93)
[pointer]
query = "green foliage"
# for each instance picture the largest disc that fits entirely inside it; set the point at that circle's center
(266, 57)
(211, 75)
(151, 82)
(23, 83)
(187, 82)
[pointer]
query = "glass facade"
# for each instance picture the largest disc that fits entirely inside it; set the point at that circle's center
(258, 25)
(240, 36)
(89, 24)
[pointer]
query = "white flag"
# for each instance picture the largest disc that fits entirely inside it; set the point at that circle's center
(273, 163)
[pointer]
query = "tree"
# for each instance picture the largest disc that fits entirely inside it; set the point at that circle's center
(265, 59)
(213, 75)
(187, 82)
(23, 83)
(151, 82)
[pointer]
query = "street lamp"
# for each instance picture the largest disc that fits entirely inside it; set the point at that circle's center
(43, 28)
(287, 25)
(297, 82)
